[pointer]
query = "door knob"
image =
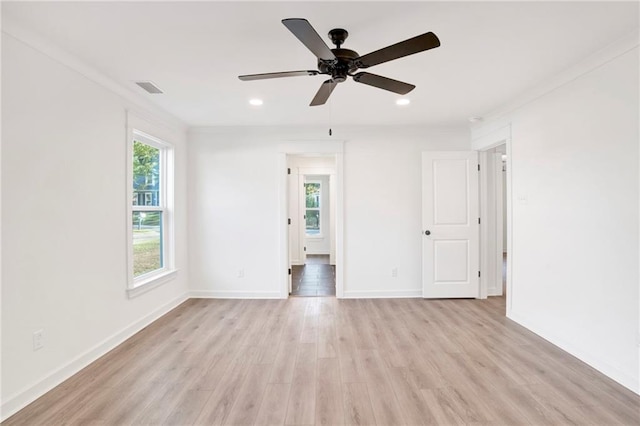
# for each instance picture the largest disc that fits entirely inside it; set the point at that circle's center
(427, 232)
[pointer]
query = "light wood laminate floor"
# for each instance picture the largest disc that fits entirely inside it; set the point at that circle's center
(309, 361)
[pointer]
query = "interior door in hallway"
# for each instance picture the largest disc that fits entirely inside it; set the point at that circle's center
(450, 216)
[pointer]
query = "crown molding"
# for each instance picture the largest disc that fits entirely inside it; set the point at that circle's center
(590, 63)
(35, 41)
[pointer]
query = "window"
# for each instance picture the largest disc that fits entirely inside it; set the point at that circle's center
(312, 208)
(150, 218)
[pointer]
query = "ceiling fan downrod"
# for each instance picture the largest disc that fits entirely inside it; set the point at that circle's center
(338, 36)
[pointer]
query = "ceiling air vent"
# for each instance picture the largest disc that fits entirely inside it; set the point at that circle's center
(149, 87)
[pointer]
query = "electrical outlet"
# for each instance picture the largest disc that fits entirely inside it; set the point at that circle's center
(38, 339)
(522, 199)
(240, 273)
(394, 272)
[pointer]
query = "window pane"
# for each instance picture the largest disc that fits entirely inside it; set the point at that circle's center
(313, 195)
(147, 242)
(313, 222)
(146, 175)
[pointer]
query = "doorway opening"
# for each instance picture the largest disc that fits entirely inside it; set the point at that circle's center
(501, 212)
(499, 170)
(313, 272)
(495, 229)
(311, 207)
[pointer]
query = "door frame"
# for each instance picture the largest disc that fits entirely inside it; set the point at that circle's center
(310, 148)
(500, 217)
(488, 257)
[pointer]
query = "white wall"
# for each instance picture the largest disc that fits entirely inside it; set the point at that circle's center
(64, 207)
(574, 167)
(233, 170)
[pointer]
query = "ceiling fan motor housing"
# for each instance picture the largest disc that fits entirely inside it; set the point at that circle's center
(341, 67)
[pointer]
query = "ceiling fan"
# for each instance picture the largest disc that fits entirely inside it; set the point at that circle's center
(340, 63)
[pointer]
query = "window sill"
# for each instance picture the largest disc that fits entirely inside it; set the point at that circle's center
(314, 237)
(150, 283)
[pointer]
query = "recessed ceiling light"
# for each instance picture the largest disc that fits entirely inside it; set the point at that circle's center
(256, 102)
(475, 119)
(403, 101)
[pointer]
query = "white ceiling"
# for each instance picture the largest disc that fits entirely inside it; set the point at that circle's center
(490, 53)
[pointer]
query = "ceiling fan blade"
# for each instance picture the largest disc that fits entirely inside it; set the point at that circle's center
(399, 50)
(250, 77)
(385, 83)
(323, 93)
(302, 29)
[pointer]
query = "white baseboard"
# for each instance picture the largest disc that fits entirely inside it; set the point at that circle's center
(626, 380)
(494, 292)
(25, 397)
(225, 294)
(382, 294)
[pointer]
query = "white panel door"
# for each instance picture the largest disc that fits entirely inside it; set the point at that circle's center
(302, 220)
(292, 227)
(450, 232)
(293, 216)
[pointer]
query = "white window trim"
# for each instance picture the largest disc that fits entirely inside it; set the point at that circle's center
(320, 234)
(145, 282)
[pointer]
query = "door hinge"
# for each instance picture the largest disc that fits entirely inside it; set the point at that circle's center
(478, 221)
(304, 217)
(289, 221)
(305, 249)
(288, 171)
(289, 271)
(478, 167)
(478, 274)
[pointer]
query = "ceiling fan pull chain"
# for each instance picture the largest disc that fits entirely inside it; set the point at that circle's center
(330, 118)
